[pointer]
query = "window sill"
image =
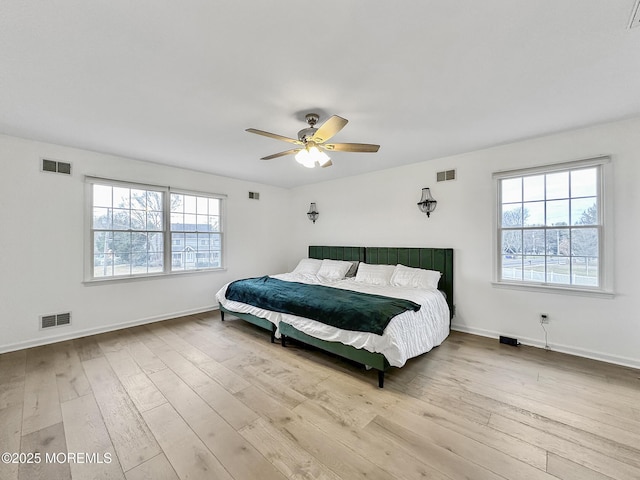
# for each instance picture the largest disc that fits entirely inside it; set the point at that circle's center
(136, 278)
(533, 287)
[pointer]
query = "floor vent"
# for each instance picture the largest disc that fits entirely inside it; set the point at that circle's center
(55, 320)
(56, 167)
(254, 195)
(446, 175)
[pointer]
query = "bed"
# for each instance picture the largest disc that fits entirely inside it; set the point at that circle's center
(408, 334)
(334, 253)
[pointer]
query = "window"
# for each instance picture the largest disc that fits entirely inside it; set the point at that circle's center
(140, 230)
(195, 232)
(551, 227)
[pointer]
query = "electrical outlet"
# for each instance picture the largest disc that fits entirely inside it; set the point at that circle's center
(544, 318)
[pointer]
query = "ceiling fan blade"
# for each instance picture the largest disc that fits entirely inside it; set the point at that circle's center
(273, 135)
(351, 147)
(282, 154)
(329, 128)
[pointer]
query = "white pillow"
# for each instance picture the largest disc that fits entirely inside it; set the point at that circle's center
(415, 277)
(334, 269)
(374, 274)
(308, 265)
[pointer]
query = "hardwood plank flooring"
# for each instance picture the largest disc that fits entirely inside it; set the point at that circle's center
(12, 382)
(72, 382)
(12, 376)
(86, 432)
(41, 402)
(186, 452)
(195, 397)
(49, 440)
(132, 439)
(10, 436)
(157, 468)
(238, 457)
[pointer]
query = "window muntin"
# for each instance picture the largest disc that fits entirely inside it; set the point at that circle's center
(138, 230)
(550, 228)
(196, 234)
(127, 231)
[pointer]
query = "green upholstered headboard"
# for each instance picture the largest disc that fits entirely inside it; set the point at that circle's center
(440, 259)
(337, 253)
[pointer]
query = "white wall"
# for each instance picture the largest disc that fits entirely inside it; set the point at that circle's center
(42, 226)
(379, 209)
(42, 246)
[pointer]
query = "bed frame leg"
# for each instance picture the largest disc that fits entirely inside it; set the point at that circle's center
(273, 334)
(221, 315)
(380, 379)
(283, 340)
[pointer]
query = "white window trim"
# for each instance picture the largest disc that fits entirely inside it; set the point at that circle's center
(167, 190)
(606, 260)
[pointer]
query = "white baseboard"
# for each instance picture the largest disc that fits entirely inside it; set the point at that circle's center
(571, 350)
(93, 331)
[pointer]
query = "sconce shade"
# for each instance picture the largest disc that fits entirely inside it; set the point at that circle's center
(313, 213)
(427, 203)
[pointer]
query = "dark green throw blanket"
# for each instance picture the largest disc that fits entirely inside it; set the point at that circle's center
(345, 309)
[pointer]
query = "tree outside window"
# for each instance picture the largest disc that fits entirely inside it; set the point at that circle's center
(550, 228)
(131, 229)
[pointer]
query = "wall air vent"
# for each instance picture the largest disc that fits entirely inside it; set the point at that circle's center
(254, 195)
(55, 320)
(56, 167)
(63, 318)
(49, 166)
(446, 175)
(47, 321)
(635, 15)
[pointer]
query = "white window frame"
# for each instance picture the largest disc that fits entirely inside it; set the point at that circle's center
(193, 255)
(605, 215)
(166, 232)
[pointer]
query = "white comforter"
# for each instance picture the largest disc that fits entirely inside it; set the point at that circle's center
(408, 335)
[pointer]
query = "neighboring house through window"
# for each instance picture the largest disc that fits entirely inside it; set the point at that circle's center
(141, 230)
(195, 232)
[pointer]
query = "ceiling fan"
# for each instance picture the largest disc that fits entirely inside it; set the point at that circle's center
(312, 142)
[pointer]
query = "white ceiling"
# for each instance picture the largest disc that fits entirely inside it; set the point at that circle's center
(178, 82)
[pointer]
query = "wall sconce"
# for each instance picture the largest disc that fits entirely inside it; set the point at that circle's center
(427, 203)
(313, 212)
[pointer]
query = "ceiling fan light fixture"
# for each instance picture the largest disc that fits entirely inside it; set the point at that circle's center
(318, 155)
(310, 156)
(303, 157)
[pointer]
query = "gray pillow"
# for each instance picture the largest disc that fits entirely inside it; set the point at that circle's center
(353, 269)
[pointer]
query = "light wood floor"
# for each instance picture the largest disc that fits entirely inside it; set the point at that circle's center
(197, 398)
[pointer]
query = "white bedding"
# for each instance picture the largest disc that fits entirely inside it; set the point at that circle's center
(408, 335)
